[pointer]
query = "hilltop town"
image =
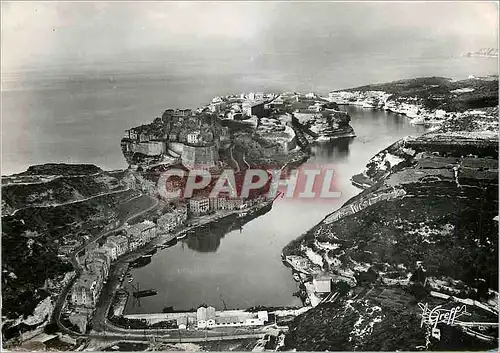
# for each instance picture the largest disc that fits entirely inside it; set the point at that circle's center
(260, 128)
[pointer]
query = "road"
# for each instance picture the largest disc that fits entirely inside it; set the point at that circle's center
(72, 202)
(175, 337)
(73, 259)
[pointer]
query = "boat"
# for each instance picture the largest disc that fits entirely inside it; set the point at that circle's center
(140, 262)
(168, 309)
(181, 236)
(145, 293)
(130, 280)
(323, 139)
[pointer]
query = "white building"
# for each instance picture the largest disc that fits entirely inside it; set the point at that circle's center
(205, 317)
(111, 248)
(322, 285)
(253, 319)
(182, 322)
(193, 137)
(140, 234)
(121, 244)
(199, 205)
(226, 203)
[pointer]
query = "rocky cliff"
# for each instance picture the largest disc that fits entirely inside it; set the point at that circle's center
(424, 230)
(425, 100)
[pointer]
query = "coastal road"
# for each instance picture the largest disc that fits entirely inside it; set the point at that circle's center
(175, 337)
(73, 259)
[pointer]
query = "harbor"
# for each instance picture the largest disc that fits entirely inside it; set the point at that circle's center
(237, 260)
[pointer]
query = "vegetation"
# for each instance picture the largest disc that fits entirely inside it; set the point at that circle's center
(437, 92)
(124, 322)
(61, 190)
(62, 169)
(31, 239)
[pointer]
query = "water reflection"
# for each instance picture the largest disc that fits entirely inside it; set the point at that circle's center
(207, 239)
(337, 149)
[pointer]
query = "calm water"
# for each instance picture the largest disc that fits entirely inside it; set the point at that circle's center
(243, 267)
(78, 114)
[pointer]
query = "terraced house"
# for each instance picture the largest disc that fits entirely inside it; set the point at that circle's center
(141, 233)
(86, 290)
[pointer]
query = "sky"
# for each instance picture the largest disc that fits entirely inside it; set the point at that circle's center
(48, 34)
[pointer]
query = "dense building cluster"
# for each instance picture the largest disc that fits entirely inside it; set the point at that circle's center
(97, 260)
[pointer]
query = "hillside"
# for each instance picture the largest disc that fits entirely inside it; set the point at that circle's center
(53, 217)
(425, 227)
(440, 92)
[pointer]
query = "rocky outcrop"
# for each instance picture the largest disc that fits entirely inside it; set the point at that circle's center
(54, 214)
(325, 125)
(428, 100)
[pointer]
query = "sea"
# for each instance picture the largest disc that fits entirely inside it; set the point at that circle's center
(78, 113)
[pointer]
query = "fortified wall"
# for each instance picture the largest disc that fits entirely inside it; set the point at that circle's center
(206, 156)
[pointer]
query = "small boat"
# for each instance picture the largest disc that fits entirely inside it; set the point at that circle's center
(323, 139)
(168, 309)
(182, 236)
(145, 293)
(141, 262)
(130, 280)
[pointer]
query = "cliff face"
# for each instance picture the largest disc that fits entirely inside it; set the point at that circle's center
(425, 100)
(331, 125)
(425, 223)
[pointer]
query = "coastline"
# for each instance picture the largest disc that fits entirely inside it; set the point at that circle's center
(357, 206)
(412, 174)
